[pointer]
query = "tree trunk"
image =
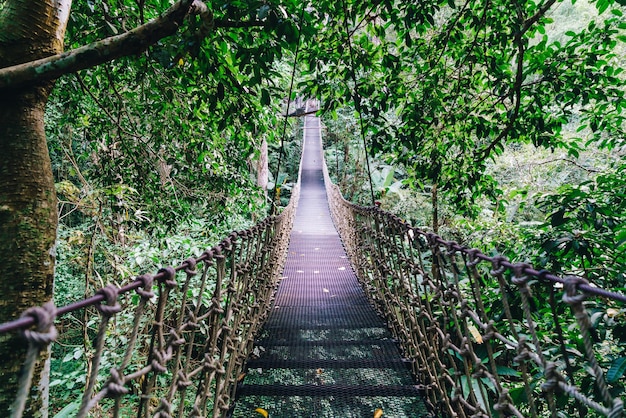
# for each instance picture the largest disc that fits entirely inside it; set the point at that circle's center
(262, 168)
(28, 222)
(434, 200)
(28, 217)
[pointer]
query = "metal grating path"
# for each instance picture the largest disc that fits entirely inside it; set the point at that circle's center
(324, 352)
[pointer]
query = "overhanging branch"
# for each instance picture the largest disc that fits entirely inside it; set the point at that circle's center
(299, 114)
(129, 43)
(239, 23)
(482, 155)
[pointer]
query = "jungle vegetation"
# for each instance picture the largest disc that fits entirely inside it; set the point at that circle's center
(132, 133)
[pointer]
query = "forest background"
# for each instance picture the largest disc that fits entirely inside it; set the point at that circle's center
(497, 124)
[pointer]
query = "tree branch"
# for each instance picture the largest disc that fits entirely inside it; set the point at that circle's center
(517, 91)
(220, 23)
(567, 160)
(535, 18)
(519, 78)
(299, 114)
(129, 43)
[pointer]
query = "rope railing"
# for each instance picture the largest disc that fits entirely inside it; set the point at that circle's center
(191, 330)
(486, 337)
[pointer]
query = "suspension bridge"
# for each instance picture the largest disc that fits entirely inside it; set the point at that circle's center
(330, 309)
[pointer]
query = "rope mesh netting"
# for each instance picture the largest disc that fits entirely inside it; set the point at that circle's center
(171, 344)
(486, 337)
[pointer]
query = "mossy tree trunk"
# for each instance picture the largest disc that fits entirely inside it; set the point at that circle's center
(28, 217)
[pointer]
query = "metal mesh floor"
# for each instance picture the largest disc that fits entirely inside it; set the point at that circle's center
(324, 351)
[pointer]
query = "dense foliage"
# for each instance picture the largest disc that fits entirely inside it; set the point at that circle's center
(156, 155)
(449, 90)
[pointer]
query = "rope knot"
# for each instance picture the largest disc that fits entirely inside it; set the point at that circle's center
(571, 285)
(216, 306)
(464, 348)
(158, 362)
(503, 401)
(190, 266)
(177, 340)
(110, 297)
(192, 320)
(496, 265)
(479, 369)
(115, 387)
(145, 291)
(213, 365)
(432, 239)
(45, 331)
(522, 351)
(451, 247)
(196, 412)
(183, 381)
(520, 279)
(552, 378)
(217, 251)
(473, 257)
(209, 363)
(168, 276)
(207, 256)
(490, 331)
(165, 409)
(464, 308)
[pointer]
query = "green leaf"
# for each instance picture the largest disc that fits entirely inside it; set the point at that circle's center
(602, 5)
(557, 218)
(621, 237)
(112, 28)
(617, 369)
(507, 371)
(68, 411)
(265, 97)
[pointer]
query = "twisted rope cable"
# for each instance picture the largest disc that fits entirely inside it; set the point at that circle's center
(38, 339)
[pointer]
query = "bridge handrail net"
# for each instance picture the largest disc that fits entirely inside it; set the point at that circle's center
(187, 342)
(468, 321)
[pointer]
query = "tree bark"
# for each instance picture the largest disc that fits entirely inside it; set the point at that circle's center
(434, 200)
(262, 168)
(28, 222)
(105, 50)
(28, 217)
(31, 57)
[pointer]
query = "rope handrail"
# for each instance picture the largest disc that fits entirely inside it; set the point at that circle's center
(28, 321)
(527, 269)
(473, 342)
(199, 331)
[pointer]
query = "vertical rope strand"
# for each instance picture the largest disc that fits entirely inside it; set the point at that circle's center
(357, 99)
(276, 198)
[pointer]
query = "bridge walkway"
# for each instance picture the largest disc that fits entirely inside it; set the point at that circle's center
(324, 351)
